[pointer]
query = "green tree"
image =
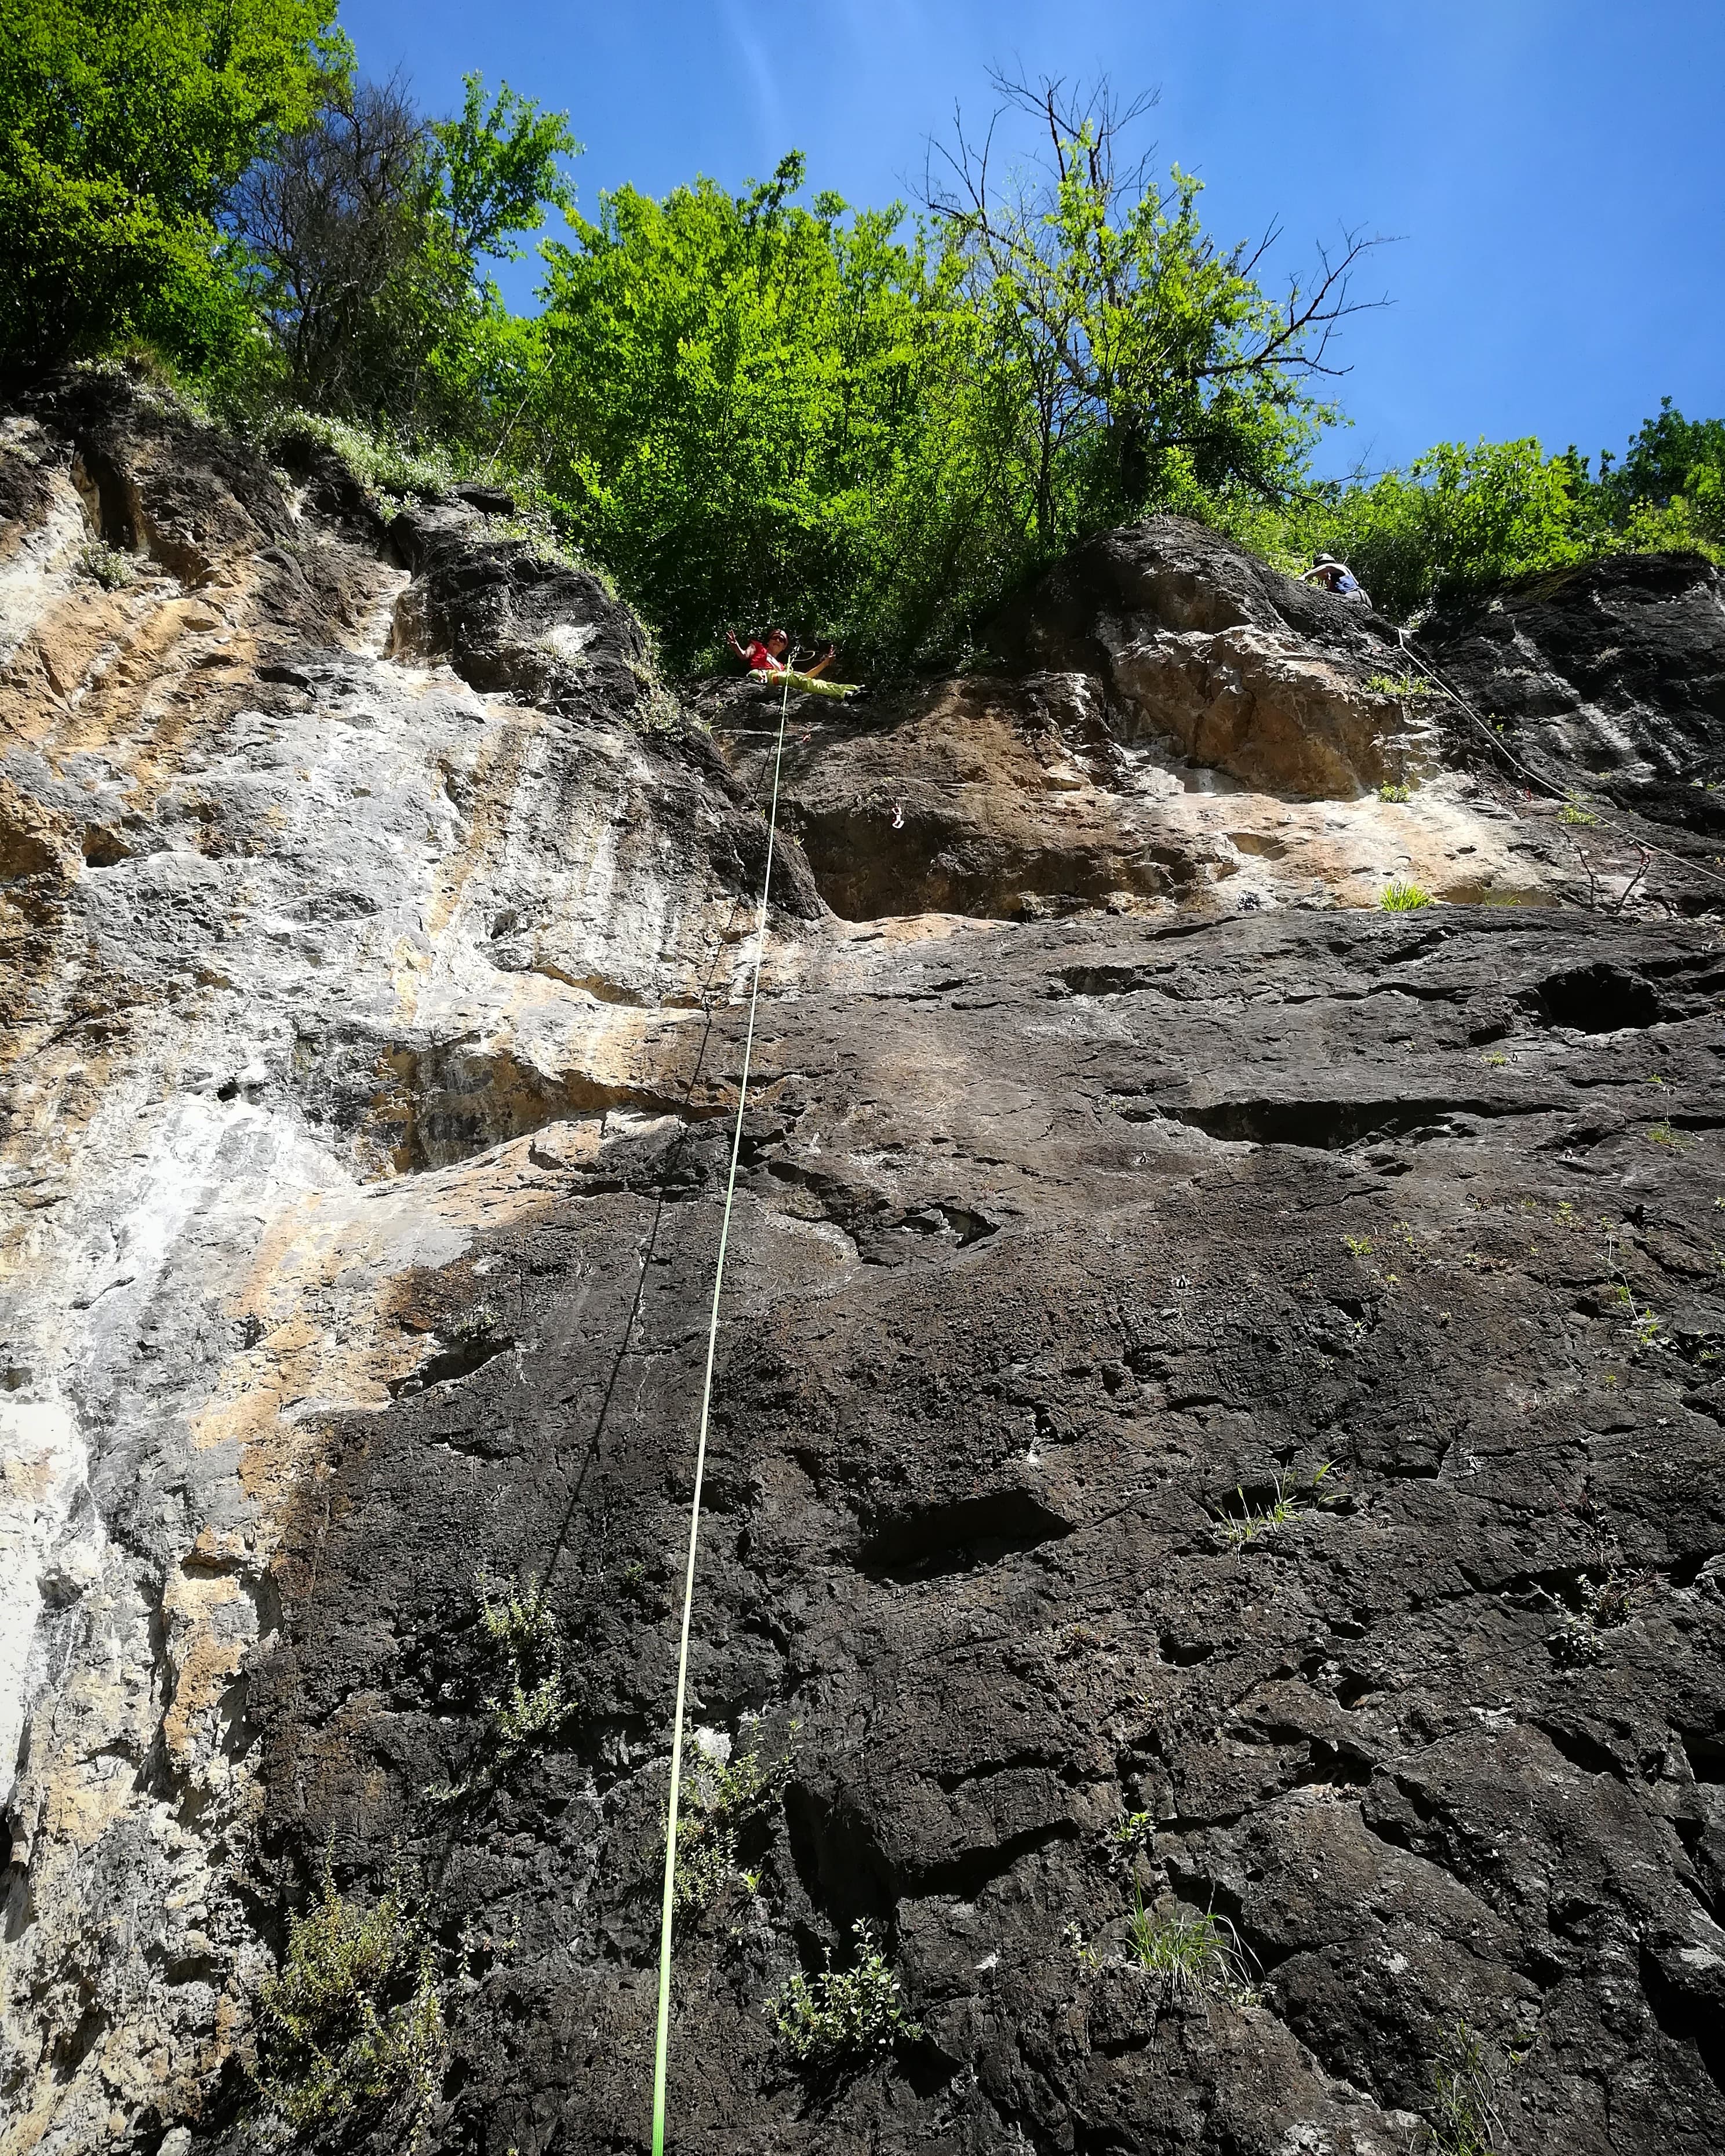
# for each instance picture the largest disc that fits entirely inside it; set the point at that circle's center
(876, 430)
(736, 399)
(1674, 466)
(364, 232)
(123, 124)
(1135, 364)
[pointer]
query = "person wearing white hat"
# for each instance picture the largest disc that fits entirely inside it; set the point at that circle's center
(1337, 577)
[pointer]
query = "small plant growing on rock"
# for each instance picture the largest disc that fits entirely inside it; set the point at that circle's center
(1192, 1953)
(1402, 685)
(843, 2016)
(1578, 1642)
(715, 1804)
(1248, 1524)
(1085, 1951)
(1136, 1831)
(1402, 897)
(353, 2016)
(1237, 1529)
(1572, 812)
(1643, 1322)
(106, 566)
(531, 1704)
(1466, 2122)
(1395, 793)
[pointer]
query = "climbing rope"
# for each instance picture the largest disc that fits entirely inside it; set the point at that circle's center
(1547, 787)
(662, 2044)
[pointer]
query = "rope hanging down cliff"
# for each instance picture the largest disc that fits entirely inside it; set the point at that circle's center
(662, 2043)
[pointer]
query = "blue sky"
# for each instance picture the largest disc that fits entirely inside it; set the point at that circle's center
(1551, 169)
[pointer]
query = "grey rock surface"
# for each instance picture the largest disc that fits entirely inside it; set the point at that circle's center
(1218, 1413)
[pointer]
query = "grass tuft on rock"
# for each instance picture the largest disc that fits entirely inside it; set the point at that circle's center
(1401, 897)
(1192, 1953)
(1465, 2121)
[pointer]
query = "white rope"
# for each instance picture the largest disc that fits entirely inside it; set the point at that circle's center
(662, 2044)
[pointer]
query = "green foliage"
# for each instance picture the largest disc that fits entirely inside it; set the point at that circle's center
(363, 235)
(1395, 793)
(1402, 897)
(1238, 1529)
(1132, 363)
(1193, 1955)
(1459, 520)
(1402, 685)
(843, 2016)
(123, 124)
(1465, 2121)
(377, 456)
(495, 171)
(1674, 472)
(715, 1803)
(531, 1704)
(353, 2015)
(737, 408)
(872, 427)
(875, 430)
(1133, 1832)
(109, 567)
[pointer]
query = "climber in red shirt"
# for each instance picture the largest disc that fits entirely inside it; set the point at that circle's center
(769, 654)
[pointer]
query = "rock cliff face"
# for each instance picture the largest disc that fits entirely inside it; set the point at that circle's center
(1219, 1408)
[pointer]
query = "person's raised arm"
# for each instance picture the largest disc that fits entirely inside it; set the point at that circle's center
(813, 672)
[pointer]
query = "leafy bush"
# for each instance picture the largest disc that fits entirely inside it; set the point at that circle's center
(844, 2015)
(353, 2015)
(1461, 520)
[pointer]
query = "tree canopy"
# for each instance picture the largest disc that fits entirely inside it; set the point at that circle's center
(124, 124)
(869, 425)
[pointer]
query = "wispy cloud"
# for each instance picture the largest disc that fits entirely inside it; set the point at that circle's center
(772, 124)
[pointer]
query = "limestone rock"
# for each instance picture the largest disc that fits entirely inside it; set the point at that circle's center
(1217, 1406)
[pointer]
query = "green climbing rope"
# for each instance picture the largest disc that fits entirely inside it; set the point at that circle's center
(662, 2045)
